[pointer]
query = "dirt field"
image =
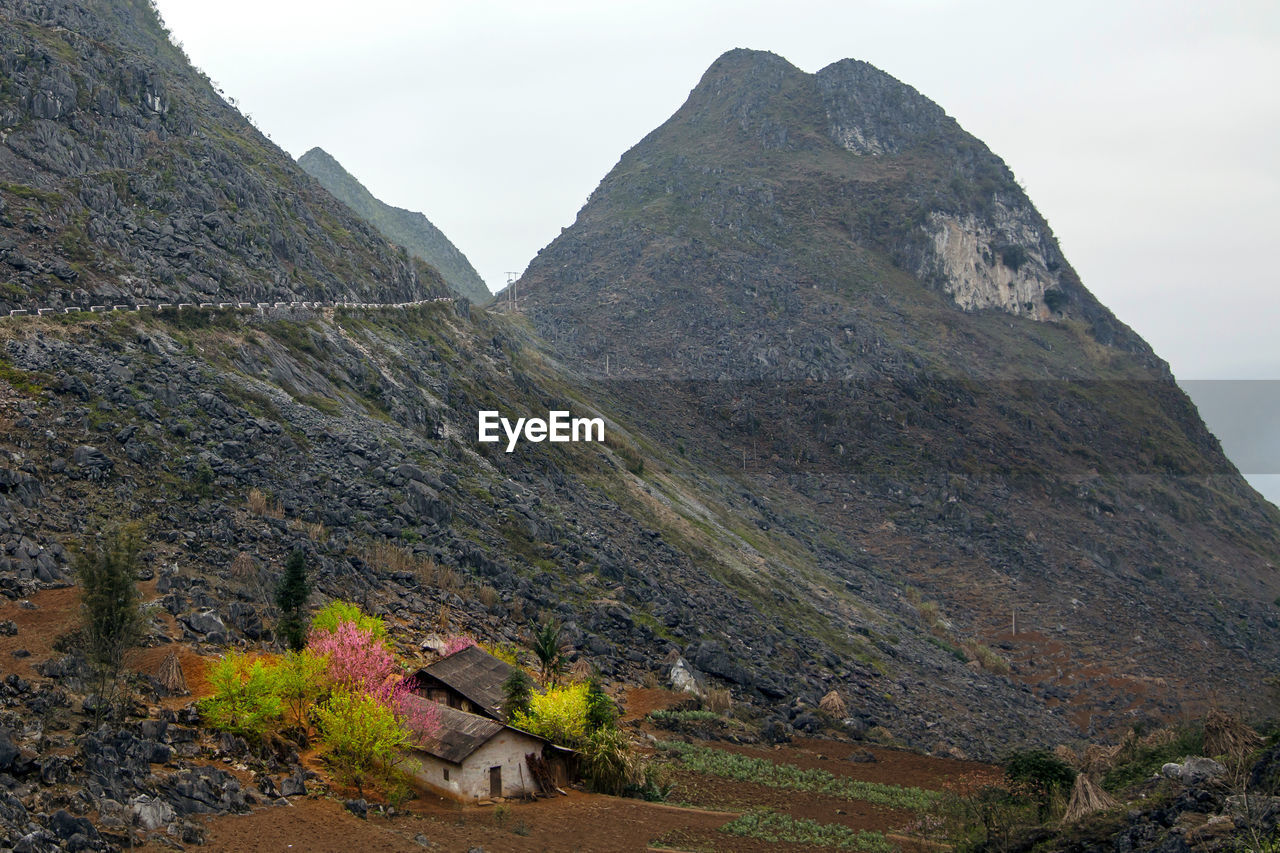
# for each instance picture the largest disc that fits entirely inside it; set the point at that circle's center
(588, 822)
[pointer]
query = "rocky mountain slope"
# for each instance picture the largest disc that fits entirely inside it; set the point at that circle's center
(827, 467)
(406, 228)
(839, 311)
(124, 177)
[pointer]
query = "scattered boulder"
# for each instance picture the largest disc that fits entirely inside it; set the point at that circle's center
(1196, 770)
(150, 813)
(204, 622)
(92, 462)
(684, 679)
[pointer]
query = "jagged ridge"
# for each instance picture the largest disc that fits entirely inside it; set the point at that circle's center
(406, 228)
(124, 176)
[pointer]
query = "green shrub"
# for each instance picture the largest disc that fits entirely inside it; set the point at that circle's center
(667, 715)
(244, 699)
(111, 609)
(517, 693)
(1039, 776)
(291, 598)
(335, 613)
(559, 715)
(608, 764)
(1137, 762)
(362, 736)
(602, 712)
(299, 680)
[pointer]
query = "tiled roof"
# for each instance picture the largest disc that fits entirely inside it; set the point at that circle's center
(459, 733)
(475, 674)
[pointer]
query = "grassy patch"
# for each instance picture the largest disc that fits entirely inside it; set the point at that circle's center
(663, 715)
(320, 403)
(30, 382)
(743, 768)
(775, 827)
(1137, 762)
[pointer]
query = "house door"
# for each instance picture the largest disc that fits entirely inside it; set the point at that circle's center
(495, 781)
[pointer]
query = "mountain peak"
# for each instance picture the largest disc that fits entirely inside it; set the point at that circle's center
(406, 228)
(857, 165)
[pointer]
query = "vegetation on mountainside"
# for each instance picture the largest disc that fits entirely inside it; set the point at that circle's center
(744, 768)
(106, 567)
(405, 228)
(344, 685)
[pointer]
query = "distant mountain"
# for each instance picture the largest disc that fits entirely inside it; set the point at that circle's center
(125, 177)
(822, 288)
(405, 228)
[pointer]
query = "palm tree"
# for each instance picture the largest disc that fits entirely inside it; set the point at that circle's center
(548, 649)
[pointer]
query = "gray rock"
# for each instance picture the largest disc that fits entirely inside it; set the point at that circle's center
(92, 462)
(684, 679)
(294, 786)
(67, 826)
(8, 751)
(204, 622)
(1198, 770)
(150, 813)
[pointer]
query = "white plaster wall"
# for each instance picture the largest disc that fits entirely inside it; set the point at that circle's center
(470, 781)
(507, 750)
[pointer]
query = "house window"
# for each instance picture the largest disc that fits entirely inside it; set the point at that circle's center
(446, 774)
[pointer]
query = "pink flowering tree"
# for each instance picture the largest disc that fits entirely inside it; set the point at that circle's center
(419, 715)
(357, 660)
(457, 643)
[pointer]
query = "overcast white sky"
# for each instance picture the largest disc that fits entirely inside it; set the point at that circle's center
(1147, 133)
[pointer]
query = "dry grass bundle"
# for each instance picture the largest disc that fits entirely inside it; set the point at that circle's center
(1066, 755)
(260, 503)
(1087, 797)
(581, 670)
(834, 705)
(1226, 734)
(1099, 759)
(384, 556)
(1159, 737)
(170, 676)
(718, 699)
(243, 567)
(314, 530)
(488, 596)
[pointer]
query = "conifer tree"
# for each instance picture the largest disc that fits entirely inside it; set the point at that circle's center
(291, 598)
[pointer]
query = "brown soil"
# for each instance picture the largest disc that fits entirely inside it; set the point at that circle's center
(590, 822)
(194, 666)
(639, 701)
(55, 614)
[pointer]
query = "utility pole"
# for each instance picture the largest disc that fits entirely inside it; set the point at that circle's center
(512, 297)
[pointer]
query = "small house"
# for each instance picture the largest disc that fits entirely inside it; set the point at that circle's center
(468, 680)
(473, 757)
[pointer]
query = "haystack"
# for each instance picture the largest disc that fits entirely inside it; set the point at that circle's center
(170, 676)
(1099, 758)
(1225, 734)
(833, 705)
(581, 670)
(244, 567)
(1158, 738)
(1087, 797)
(1066, 755)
